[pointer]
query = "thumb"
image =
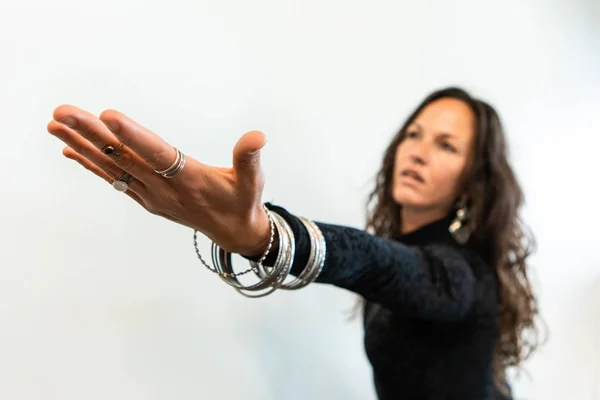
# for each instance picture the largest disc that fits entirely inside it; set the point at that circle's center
(246, 159)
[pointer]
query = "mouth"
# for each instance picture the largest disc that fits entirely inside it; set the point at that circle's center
(411, 173)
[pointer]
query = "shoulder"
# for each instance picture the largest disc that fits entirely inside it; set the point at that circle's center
(441, 252)
(455, 258)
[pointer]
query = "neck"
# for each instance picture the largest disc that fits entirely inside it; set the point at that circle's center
(413, 219)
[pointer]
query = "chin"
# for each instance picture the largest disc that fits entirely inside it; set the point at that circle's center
(409, 198)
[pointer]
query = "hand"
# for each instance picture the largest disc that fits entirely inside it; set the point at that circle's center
(225, 204)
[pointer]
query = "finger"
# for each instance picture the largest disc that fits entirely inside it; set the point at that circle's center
(136, 190)
(246, 160)
(135, 187)
(84, 148)
(151, 148)
(89, 151)
(89, 127)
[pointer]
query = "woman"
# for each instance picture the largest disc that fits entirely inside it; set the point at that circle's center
(447, 301)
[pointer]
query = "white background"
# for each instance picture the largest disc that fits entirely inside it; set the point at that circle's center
(101, 300)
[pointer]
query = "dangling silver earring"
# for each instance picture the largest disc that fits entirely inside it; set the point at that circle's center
(458, 228)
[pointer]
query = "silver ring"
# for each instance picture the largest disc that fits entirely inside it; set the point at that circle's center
(176, 167)
(122, 184)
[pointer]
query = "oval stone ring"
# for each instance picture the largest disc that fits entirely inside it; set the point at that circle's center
(122, 184)
(111, 151)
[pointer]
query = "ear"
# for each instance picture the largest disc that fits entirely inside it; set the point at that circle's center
(462, 200)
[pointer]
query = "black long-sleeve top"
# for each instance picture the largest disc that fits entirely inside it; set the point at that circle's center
(431, 319)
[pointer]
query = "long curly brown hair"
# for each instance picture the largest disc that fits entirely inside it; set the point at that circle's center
(495, 197)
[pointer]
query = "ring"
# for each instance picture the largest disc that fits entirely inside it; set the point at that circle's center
(122, 184)
(175, 168)
(110, 151)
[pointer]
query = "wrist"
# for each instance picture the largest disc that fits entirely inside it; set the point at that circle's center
(261, 235)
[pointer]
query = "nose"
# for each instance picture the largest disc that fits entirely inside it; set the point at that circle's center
(419, 153)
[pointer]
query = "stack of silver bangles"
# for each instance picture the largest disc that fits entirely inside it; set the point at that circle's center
(273, 278)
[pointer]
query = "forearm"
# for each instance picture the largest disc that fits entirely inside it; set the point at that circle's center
(432, 283)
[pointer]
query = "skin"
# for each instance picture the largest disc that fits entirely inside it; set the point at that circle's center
(225, 204)
(438, 145)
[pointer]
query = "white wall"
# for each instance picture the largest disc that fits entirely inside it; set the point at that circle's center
(99, 299)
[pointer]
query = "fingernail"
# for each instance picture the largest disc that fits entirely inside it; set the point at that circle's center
(69, 121)
(112, 125)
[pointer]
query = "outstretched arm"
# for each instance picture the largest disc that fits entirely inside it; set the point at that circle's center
(431, 282)
(225, 205)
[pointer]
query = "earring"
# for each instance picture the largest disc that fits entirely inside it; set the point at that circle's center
(458, 228)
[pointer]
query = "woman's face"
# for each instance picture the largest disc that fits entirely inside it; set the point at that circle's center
(433, 156)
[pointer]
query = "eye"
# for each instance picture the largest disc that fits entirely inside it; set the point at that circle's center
(412, 134)
(449, 147)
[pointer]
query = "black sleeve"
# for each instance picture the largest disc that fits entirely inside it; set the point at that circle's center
(428, 282)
